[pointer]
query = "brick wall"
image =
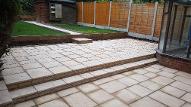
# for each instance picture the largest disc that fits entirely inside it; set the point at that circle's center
(175, 63)
(42, 11)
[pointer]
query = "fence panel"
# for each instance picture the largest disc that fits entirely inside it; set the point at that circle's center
(88, 12)
(158, 21)
(142, 16)
(79, 11)
(119, 14)
(102, 13)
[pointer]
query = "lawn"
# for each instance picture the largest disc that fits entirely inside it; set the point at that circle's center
(82, 29)
(26, 29)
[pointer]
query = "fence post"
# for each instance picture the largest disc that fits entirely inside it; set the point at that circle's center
(94, 12)
(154, 19)
(109, 21)
(129, 15)
(82, 11)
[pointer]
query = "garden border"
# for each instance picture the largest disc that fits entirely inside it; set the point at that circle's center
(32, 40)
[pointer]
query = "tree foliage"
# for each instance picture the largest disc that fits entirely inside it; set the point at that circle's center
(27, 6)
(9, 11)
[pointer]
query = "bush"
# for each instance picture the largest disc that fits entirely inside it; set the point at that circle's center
(9, 11)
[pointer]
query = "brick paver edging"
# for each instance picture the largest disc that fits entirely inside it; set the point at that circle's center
(23, 40)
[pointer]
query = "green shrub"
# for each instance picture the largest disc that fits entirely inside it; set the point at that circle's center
(9, 11)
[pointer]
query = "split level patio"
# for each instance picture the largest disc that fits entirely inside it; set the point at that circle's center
(109, 73)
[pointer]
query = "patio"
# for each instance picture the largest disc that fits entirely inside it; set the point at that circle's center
(109, 73)
(89, 64)
(153, 86)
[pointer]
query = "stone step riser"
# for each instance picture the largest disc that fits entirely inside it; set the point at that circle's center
(76, 83)
(23, 84)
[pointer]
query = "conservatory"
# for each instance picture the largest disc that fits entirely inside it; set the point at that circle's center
(175, 41)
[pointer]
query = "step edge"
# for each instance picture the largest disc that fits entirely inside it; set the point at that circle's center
(57, 76)
(76, 83)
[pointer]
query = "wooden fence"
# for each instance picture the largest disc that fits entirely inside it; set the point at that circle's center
(138, 18)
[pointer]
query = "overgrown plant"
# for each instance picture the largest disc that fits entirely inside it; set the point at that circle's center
(9, 11)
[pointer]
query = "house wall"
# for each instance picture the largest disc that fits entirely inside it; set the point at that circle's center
(174, 62)
(42, 11)
(69, 13)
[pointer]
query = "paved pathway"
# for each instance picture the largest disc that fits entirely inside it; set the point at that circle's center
(53, 27)
(23, 59)
(153, 86)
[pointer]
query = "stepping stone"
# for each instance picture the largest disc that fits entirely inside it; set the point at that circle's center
(81, 40)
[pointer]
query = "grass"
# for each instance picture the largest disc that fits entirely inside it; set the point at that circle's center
(26, 29)
(82, 29)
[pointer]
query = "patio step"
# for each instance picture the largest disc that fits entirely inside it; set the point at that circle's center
(53, 86)
(62, 72)
(82, 40)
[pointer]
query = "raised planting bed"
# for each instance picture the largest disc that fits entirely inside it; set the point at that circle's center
(25, 40)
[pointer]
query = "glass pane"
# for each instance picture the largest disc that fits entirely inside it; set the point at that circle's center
(178, 40)
(164, 25)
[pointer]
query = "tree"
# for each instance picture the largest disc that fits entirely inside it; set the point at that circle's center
(27, 6)
(9, 11)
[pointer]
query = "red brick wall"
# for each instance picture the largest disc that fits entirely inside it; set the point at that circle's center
(42, 11)
(175, 63)
(27, 17)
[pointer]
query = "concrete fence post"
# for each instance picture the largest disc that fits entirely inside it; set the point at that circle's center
(82, 11)
(94, 12)
(109, 20)
(154, 19)
(129, 15)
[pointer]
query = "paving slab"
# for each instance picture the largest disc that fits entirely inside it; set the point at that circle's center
(113, 86)
(86, 88)
(67, 92)
(162, 80)
(26, 104)
(182, 86)
(140, 90)
(127, 96)
(173, 91)
(79, 100)
(151, 85)
(5, 97)
(147, 102)
(55, 103)
(167, 99)
(114, 103)
(128, 81)
(45, 98)
(100, 96)
(114, 92)
(187, 97)
(82, 40)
